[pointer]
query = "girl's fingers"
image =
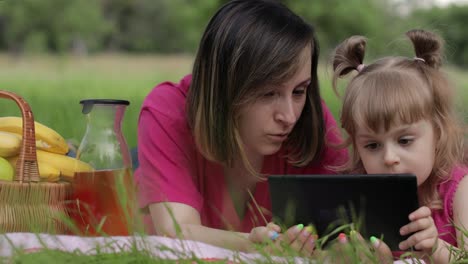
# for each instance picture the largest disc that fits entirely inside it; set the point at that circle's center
(426, 245)
(429, 234)
(419, 224)
(421, 212)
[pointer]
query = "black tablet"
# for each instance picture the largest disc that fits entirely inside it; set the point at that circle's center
(375, 204)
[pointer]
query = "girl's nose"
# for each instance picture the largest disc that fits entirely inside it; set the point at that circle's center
(391, 158)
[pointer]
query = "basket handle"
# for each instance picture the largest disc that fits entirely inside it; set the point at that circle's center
(26, 166)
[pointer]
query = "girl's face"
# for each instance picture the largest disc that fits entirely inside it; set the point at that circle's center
(266, 123)
(405, 148)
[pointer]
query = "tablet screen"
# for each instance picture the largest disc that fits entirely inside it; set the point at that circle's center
(374, 205)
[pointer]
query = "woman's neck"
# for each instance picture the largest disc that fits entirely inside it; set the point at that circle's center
(239, 177)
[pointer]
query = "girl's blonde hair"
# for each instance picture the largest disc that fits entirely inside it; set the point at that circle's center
(400, 89)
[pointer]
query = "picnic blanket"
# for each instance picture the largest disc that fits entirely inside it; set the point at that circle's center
(159, 247)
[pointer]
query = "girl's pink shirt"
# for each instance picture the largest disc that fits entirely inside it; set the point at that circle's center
(443, 218)
(172, 170)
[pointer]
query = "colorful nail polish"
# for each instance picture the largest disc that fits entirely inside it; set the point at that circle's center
(342, 238)
(300, 227)
(352, 234)
(374, 241)
(311, 229)
(273, 235)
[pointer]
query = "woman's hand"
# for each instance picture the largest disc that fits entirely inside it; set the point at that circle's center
(300, 239)
(425, 235)
(296, 238)
(264, 234)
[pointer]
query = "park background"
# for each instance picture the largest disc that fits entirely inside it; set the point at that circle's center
(55, 53)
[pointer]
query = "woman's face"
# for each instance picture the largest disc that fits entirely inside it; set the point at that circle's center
(266, 123)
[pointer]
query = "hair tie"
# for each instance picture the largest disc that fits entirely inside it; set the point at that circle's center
(419, 59)
(360, 67)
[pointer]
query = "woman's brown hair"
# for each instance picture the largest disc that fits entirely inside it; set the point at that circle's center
(248, 45)
(401, 89)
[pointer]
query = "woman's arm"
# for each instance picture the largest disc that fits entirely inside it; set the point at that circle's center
(188, 226)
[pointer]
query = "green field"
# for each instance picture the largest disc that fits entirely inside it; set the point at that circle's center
(53, 86)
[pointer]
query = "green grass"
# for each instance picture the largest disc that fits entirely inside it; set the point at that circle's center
(53, 86)
(354, 251)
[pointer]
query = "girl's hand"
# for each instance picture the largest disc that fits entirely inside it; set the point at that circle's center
(425, 235)
(381, 249)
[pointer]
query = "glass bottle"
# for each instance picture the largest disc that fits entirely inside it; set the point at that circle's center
(105, 198)
(103, 146)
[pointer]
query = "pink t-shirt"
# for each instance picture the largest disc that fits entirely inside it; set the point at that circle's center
(443, 218)
(172, 170)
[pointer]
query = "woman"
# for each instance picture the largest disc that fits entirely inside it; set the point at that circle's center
(251, 108)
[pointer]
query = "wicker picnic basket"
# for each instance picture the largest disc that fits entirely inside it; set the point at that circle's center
(26, 204)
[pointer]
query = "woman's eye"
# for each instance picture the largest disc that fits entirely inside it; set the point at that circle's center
(269, 94)
(299, 92)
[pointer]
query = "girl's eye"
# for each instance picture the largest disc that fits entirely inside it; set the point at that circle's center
(405, 141)
(372, 146)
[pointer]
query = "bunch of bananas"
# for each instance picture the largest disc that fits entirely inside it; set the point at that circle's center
(51, 150)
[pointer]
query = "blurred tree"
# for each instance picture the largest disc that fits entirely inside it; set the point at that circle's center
(162, 26)
(336, 20)
(55, 25)
(449, 22)
(169, 26)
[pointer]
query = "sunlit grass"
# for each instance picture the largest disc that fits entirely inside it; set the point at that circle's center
(138, 249)
(53, 86)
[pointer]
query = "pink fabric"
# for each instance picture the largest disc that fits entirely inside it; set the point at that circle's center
(171, 168)
(443, 218)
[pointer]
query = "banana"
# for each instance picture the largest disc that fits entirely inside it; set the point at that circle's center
(10, 144)
(65, 164)
(46, 138)
(47, 172)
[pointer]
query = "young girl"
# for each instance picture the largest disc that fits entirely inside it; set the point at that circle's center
(399, 115)
(251, 108)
